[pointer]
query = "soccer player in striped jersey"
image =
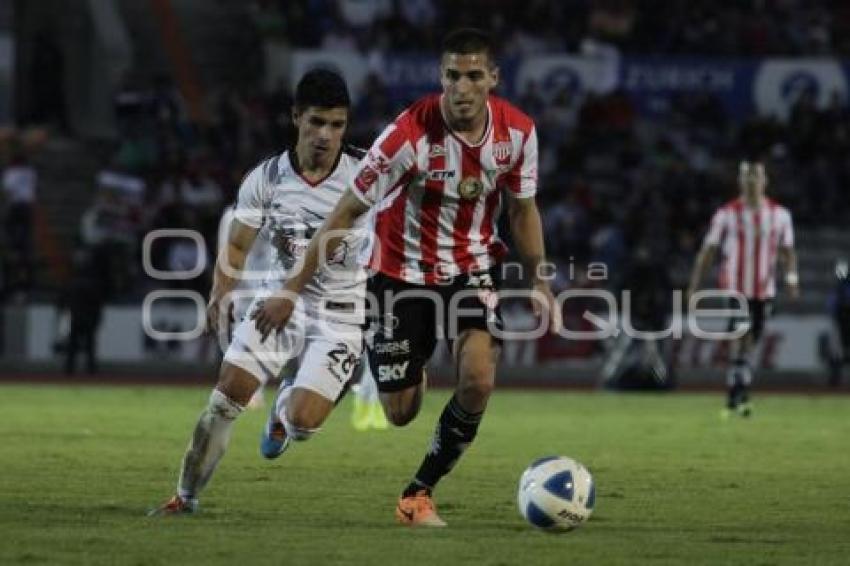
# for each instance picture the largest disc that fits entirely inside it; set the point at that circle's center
(436, 180)
(753, 234)
(289, 196)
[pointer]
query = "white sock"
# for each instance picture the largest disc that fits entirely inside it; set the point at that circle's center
(208, 444)
(280, 402)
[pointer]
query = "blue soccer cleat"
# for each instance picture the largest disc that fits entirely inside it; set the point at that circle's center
(273, 440)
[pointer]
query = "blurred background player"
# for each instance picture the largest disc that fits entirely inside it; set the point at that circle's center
(438, 176)
(368, 411)
(257, 264)
(839, 306)
(289, 194)
(753, 233)
(639, 362)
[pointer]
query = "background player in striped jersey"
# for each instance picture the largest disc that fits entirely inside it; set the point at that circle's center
(289, 195)
(436, 179)
(753, 233)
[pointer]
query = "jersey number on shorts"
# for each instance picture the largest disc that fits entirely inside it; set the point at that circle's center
(342, 361)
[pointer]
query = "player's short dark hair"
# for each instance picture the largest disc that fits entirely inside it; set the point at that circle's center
(464, 41)
(321, 88)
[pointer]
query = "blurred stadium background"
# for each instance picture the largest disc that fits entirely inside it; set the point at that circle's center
(139, 115)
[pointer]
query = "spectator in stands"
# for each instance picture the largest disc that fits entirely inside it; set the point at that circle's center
(83, 299)
(20, 180)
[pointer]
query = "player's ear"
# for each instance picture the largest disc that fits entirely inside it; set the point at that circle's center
(296, 116)
(494, 75)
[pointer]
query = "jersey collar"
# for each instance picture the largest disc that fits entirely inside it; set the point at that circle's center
(292, 155)
(484, 137)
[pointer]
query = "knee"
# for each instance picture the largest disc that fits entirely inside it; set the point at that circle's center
(477, 381)
(400, 416)
(401, 408)
(220, 404)
(303, 418)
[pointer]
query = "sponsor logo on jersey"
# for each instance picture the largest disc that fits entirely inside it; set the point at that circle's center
(441, 174)
(470, 188)
(339, 255)
(392, 372)
(393, 348)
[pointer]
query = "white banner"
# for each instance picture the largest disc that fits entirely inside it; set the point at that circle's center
(779, 83)
(579, 75)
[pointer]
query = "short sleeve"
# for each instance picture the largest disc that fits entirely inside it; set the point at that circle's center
(249, 202)
(386, 162)
(522, 179)
(786, 236)
(715, 230)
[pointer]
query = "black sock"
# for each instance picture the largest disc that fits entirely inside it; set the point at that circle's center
(455, 432)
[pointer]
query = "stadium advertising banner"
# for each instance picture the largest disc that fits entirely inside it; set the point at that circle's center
(768, 86)
(779, 83)
(405, 77)
(654, 82)
(549, 74)
(790, 343)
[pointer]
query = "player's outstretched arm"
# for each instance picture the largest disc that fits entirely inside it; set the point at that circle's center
(228, 268)
(276, 310)
(705, 258)
(527, 231)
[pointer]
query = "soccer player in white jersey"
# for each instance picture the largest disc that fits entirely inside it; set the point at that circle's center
(437, 178)
(753, 233)
(257, 264)
(289, 195)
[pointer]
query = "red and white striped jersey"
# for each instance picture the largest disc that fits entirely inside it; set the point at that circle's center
(437, 197)
(749, 240)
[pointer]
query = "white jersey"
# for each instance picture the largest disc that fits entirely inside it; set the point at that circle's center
(750, 239)
(276, 198)
(257, 263)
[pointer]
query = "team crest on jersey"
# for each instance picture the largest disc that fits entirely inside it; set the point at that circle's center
(436, 150)
(470, 188)
(502, 152)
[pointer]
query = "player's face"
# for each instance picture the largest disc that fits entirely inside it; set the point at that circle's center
(752, 179)
(467, 80)
(320, 131)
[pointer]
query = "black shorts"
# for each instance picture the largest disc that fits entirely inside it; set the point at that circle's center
(405, 321)
(758, 311)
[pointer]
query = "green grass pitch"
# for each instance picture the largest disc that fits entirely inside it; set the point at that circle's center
(79, 466)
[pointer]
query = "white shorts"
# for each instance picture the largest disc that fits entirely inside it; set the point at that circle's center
(326, 351)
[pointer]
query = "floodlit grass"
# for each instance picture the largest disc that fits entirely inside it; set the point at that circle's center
(79, 466)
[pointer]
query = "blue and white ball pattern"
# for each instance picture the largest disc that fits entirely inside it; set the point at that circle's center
(556, 494)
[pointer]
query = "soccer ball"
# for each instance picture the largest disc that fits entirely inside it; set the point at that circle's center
(556, 494)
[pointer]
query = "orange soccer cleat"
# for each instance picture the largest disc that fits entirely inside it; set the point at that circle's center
(418, 510)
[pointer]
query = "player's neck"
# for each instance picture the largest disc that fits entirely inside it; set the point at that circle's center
(755, 202)
(472, 131)
(311, 166)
